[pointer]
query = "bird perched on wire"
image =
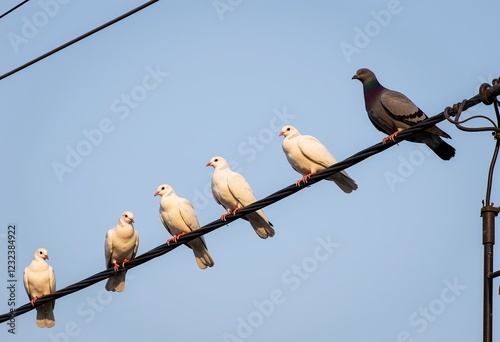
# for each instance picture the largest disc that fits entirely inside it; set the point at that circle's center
(231, 190)
(391, 112)
(178, 217)
(307, 155)
(120, 247)
(39, 281)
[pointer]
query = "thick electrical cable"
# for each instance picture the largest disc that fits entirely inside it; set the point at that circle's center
(273, 198)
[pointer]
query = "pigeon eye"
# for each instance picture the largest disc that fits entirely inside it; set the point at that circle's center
(126, 215)
(288, 129)
(41, 252)
(163, 188)
(216, 160)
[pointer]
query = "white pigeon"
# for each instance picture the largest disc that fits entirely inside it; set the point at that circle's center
(120, 247)
(39, 281)
(231, 190)
(307, 155)
(178, 217)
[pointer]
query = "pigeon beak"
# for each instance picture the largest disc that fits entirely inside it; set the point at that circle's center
(281, 133)
(209, 164)
(355, 77)
(46, 257)
(156, 193)
(132, 220)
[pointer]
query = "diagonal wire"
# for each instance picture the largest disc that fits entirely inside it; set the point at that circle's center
(77, 39)
(14, 8)
(273, 198)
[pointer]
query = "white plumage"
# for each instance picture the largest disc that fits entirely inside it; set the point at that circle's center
(231, 190)
(39, 281)
(307, 155)
(120, 247)
(178, 217)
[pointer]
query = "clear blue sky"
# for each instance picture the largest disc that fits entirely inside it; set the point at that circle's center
(93, 130)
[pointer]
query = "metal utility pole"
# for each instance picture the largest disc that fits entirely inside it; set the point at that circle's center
(488, 212)
(488, 95)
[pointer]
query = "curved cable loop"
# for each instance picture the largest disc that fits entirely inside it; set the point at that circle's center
(458, 109)
(496, 134)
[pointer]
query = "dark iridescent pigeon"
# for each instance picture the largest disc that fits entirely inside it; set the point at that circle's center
(391, 112)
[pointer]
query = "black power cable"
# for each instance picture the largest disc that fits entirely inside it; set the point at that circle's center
(14, 8)
(492, 92)
(77, 39)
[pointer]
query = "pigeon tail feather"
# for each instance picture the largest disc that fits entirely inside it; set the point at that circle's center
(345, 183)
(201, 254)
(443, 150)
(116, 283)
(262, 227)
(45, 316)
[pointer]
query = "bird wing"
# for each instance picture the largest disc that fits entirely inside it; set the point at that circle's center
(26, 283)
(52, 284)
(239, 188)
(401, 108)
(136, 243)
(188, 215)
(108, 248)
(315, 151)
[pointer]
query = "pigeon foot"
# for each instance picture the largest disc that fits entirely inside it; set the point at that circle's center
(174, 238)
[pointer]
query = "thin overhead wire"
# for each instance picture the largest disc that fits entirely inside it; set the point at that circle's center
(494, 128)
(77, 39)
(13, 8)
(273, 198)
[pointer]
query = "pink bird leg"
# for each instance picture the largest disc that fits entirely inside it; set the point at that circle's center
(304, 179)
(391, 137)
(229, 212)
(174, 238)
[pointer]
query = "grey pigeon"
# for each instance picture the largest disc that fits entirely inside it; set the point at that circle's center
(391, 112)
(231, 190)
(39, 281)
(120, 247)
(307, 155)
